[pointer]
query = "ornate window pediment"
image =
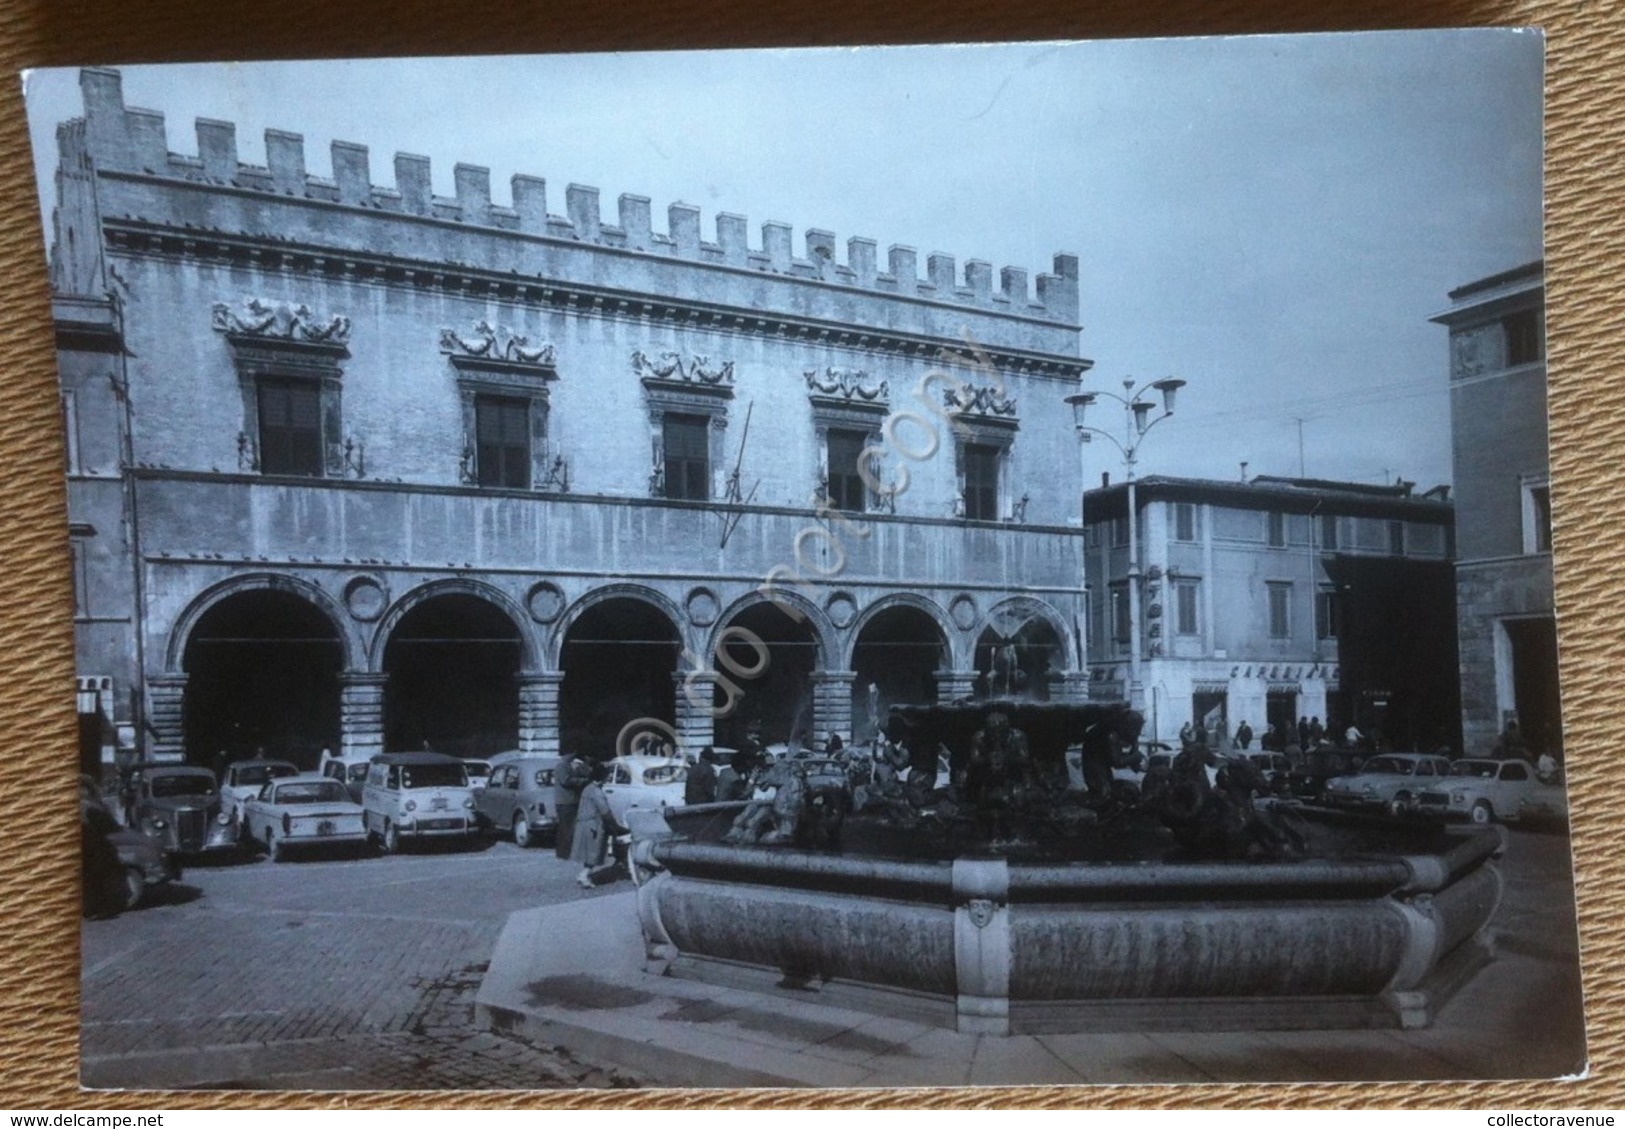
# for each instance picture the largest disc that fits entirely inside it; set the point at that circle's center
(848, 409)
(288, 373)
(687, 453)
(503, 382)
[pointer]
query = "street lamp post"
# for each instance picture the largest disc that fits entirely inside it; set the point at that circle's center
(1137, 422)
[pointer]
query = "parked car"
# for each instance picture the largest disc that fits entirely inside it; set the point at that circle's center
(1485, 790)
(644, 782)
(244, 779)
(1391, 782)
(180, 806)
(120, 865)
(302, 811)
(349, 769)
(518, 798)
(417, 796)
(1307, 778)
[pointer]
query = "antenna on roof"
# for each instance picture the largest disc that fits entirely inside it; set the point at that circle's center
(1244, 470)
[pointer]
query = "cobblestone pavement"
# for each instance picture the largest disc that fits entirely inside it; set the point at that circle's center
(352, 973)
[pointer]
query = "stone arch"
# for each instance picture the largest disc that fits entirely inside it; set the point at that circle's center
(824, 632)
(617, 652)
(625, 591)
(774, 678)
(1011, 655)
(1030, 607)
(530, 652)
(187, 621)
(951, 635)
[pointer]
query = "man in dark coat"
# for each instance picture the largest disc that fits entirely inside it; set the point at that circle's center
(570, 776)
(701, 785)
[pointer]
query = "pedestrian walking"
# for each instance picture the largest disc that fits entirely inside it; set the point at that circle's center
(595, 825)
(1244, 736)
(569, 778)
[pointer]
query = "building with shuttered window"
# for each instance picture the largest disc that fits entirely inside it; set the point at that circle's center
(356, 465)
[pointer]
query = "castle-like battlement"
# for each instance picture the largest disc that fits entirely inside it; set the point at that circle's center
(130, 140)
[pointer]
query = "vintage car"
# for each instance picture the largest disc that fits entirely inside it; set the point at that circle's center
(1390, 782)
(1310, 772)
(518, 798)
(120, 865)
(644, 782)
(244, 779)
(1485, 790)
(180, 806)
(417, 796)
(349, 769)
(295, 812)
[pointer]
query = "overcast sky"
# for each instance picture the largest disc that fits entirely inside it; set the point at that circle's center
(1272, 219)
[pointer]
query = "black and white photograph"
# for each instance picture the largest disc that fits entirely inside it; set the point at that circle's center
(986, 565)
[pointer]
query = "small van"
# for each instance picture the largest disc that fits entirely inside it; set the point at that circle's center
(412, 796)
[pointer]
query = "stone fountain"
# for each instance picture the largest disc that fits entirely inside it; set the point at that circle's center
(1109, 924)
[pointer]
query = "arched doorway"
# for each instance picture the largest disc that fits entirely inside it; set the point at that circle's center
(618, 659)
(769, 655)
(451, 661)
(1018, 654)
(262, 672)
(898, 652)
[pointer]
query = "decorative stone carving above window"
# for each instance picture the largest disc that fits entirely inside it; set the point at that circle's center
(496, 347)
(261, 320)
(669, 367)
(849, 386)
(986, 403)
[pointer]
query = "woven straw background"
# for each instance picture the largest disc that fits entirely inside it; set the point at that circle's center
(39, 983)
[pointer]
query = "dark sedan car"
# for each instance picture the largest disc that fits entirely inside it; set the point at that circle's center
(119, 865)
(181, 807)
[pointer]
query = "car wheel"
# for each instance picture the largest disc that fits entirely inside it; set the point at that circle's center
(135, 885)
(1400, 804)
(1483, 813)
(392, 839)
(521, 831)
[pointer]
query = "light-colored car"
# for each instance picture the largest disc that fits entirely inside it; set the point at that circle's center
(349, 769)
(244, 779)
(295, 812)
(417, 796)
(1391, 782)
(1485, 790)
(518, 798)
(644, 782)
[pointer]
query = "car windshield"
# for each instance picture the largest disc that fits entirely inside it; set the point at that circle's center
(311, 792)
(260, 773)
(433, 776)
(665, 774)
(358, 772)
(1485, 770)
(477, 770)
(1390, 765)
(188, 784)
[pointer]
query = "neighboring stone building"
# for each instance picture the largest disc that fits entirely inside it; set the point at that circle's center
(1274, 599)
(1508, 629)
(360, 466)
